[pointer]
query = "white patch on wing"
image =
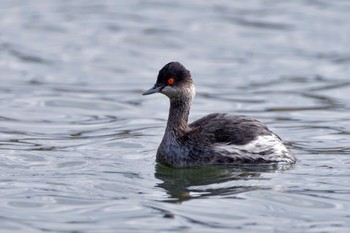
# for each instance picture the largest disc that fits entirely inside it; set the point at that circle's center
(269, 147)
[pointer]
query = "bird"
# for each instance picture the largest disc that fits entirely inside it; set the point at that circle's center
(218, 138)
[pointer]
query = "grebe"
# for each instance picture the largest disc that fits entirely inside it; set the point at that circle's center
(214, 139)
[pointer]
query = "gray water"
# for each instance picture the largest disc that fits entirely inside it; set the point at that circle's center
(78, 140)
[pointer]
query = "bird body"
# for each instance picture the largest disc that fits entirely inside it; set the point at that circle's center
(214, 139)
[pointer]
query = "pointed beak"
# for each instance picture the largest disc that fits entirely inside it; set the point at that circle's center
(155, 89)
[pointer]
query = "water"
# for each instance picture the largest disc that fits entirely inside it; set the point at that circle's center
(78, 140)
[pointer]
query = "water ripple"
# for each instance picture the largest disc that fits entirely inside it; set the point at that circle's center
(78, 140)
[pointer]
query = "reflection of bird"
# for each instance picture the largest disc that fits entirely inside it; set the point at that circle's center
(186, 184)
(213, 139)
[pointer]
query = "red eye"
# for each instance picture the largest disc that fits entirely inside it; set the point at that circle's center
(171, 81)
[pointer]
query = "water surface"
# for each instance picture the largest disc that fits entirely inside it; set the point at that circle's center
(78, 140)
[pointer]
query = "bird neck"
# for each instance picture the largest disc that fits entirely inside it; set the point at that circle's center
(178, 114)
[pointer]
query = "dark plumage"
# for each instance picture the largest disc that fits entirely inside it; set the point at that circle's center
(238, 130)
(214, 139)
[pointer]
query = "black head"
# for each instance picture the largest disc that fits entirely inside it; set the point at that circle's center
(173, 80)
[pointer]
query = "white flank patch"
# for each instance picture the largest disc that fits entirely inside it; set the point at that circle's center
(260, 145)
